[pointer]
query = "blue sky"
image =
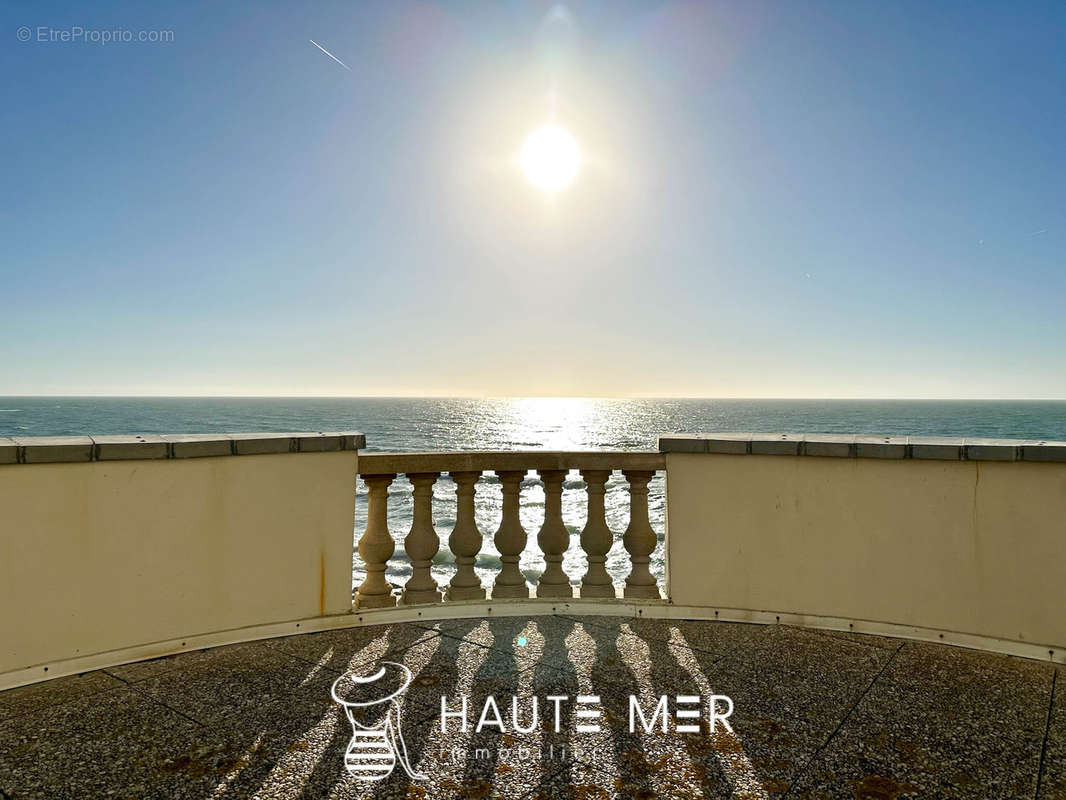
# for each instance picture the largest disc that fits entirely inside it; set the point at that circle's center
(847, 199)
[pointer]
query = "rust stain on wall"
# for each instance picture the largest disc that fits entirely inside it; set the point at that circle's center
(321, 584)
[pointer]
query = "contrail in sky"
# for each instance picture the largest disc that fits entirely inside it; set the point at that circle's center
(328, 53)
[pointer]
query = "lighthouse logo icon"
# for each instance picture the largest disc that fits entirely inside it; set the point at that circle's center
(376, 746)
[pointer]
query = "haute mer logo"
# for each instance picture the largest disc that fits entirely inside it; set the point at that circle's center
(375, 748)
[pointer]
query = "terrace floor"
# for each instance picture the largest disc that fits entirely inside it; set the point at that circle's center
(817, 715)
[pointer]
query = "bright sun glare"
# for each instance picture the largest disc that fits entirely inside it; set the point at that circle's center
(550, 158)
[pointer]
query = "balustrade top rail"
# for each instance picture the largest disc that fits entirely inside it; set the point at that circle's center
(481, 460)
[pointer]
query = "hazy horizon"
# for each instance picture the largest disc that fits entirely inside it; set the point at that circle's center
(560, 423)
(535, 396)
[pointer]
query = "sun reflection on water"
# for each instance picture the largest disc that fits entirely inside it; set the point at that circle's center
(556, 423)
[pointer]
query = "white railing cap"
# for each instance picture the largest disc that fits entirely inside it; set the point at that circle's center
(55, 449)
(943, 448)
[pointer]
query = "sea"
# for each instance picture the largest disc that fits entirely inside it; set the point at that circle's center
(419, 424)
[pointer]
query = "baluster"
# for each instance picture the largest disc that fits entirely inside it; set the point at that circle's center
(510, 539)
(422, 543)
(465, 541)
(596, 537)
(553, 538)
(639, 538)
(376, 546)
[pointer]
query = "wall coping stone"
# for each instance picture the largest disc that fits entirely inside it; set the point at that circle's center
(58, 449)
(941, 448)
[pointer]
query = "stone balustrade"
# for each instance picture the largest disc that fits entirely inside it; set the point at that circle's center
(376, 545)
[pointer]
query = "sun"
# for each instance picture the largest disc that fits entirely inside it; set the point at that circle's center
(550, 158)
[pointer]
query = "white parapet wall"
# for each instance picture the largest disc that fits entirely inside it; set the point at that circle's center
(949, 539)
(114, 548)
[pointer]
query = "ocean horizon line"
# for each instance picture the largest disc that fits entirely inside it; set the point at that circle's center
(704, 398)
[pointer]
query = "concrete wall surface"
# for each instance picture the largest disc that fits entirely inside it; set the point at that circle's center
(111, 555)
(976, 547)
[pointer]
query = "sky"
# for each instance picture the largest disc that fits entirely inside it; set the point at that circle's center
(775, 199)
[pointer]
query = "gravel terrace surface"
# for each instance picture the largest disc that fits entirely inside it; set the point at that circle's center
(815, 715)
